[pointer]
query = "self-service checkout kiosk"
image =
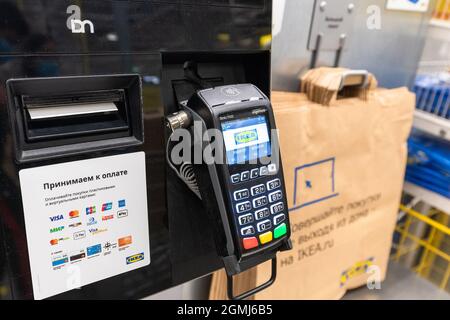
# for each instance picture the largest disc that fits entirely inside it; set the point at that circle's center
(90, 205)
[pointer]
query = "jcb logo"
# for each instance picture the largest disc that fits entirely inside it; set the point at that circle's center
(74, 22)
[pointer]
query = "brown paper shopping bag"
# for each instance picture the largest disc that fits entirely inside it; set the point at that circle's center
(344, 158)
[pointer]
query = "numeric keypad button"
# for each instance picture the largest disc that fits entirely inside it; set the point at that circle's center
(277, 207)
(243, 206)
(247, 231)
(246, 219)
(254, 173)
(279, 219)
(249, 243)
(266, 237)
(241, 194)
(235, 178)
(262, 214)
(260, 202)
(264, 225)
(263, 171)
(273, 184)
(257, 190)
(245, 176)
(272, 168)
(275, 196)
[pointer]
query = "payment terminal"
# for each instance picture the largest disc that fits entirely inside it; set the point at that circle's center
(243, 189)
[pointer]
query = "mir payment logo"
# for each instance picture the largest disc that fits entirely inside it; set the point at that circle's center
(57, 229)
(246, 136)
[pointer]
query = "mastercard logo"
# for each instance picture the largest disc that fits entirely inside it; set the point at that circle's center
(74, 214)
(125, 241)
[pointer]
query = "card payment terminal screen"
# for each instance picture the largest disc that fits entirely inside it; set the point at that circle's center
(246, 139)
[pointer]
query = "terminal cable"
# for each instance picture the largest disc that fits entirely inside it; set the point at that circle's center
(185, 172)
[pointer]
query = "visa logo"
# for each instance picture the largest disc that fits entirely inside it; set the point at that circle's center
(97, 231)
(57, 218)
(135, 258)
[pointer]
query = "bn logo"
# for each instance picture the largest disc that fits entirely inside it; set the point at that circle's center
(74, 22)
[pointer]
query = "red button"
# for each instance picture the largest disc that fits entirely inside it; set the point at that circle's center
(250, 243)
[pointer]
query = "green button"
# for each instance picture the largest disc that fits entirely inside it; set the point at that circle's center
(280, 231)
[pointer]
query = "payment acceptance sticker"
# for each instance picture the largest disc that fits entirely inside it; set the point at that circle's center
(85, 221)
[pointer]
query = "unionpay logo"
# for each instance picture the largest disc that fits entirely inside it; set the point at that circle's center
(107, 206)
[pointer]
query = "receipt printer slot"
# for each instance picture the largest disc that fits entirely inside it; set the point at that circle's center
(45, 112)
(77, 114)
(53, 117)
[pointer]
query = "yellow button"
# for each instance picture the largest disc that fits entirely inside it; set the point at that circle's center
(265, 237)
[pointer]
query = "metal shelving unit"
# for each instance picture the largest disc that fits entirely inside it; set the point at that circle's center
(432, 124)
(440, 23)
(427, 196)
(434, 59)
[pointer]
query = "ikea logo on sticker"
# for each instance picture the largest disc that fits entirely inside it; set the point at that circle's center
(246, 136)
(135, 258)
